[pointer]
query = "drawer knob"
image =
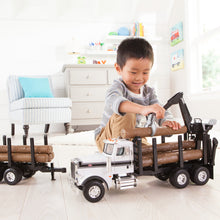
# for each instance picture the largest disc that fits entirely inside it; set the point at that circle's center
(88, 111)
(88, 94)
(87, 77)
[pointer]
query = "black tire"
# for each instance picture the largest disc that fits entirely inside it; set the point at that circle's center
(162, 176)
(179, 178)
(12, 175)
(93, 191)
(2, 170)
(201, 175)
(192, 171)
(28, 173)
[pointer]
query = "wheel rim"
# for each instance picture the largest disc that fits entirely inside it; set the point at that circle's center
(202, 176)
(181, 179)
(10, 177)
(94, 192)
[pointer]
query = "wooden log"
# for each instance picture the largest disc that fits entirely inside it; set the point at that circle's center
(170, 146)
(171, 157)
(51, 156)
(26, 149)
(146, 132)
(25, 157)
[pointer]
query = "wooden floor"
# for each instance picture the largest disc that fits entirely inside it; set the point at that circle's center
(40, 198)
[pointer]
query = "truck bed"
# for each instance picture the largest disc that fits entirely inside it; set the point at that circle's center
(171, 157)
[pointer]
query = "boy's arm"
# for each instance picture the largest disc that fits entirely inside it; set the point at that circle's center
(121, 105)
(165, 121)
(131, 107)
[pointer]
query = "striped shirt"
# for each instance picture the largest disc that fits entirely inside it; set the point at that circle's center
(119, 93)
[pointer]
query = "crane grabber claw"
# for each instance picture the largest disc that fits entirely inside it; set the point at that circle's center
(176, 99)
(151, 122)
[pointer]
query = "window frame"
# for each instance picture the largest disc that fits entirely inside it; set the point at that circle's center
(196, 38)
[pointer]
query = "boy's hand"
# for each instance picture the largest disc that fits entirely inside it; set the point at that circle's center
(155, 108)
(172, 124)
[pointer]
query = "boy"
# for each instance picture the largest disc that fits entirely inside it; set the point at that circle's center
(129, 100)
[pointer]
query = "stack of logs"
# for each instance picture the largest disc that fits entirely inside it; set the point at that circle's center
(22, 153)
(166, 152)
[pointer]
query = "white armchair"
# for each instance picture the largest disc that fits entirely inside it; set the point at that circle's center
(34, 110)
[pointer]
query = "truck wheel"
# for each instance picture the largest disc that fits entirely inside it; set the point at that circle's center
(179, 178)
(162, 176)
(93, 191)
(200, 175)
(12, 175)
(29, 173)
(192, 171)
(2, 170)
(1, 175)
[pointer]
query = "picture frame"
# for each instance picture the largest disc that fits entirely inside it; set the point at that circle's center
(176, 34)
(177, 60)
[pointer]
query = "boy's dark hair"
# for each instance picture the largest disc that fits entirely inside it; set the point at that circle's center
(134, 48)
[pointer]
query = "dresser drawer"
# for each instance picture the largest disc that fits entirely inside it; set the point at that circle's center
(87, 110)
(88, 76)
(89, 93)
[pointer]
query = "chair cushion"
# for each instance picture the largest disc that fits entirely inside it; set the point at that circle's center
(36, 87)
(41, 116)
(36, 103)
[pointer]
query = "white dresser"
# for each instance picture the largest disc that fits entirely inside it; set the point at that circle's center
(86, 86)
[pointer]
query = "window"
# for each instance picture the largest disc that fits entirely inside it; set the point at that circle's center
(108, 149)
(120, 151)
(206, 44)
(210, 53)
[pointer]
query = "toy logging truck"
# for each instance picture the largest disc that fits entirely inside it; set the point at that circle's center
(17, 161)
(122, 161)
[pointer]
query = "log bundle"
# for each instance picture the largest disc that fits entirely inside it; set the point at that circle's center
(171, 157)
(22, 153)
(168, 153)
(146, 132)
(170, 146)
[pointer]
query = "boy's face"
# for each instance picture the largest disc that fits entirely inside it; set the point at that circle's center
(135, 73)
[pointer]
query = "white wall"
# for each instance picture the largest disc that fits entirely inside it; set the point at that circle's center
(204, 105)
(178, 79)
(37, 43)
(160, 75)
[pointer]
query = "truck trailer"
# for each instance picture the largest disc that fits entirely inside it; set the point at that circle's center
(18, 161)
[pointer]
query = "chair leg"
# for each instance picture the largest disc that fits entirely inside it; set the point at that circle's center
(12, 129)
(46, 128)
(26, 128)
(67, 128)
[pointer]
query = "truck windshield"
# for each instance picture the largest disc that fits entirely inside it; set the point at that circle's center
(120, 151)
(108, 149)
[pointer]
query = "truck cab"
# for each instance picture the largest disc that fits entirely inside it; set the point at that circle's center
(114, 166)
(119, 154)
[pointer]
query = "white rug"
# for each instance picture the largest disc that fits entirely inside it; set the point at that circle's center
(81, 138)
(86, 138)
